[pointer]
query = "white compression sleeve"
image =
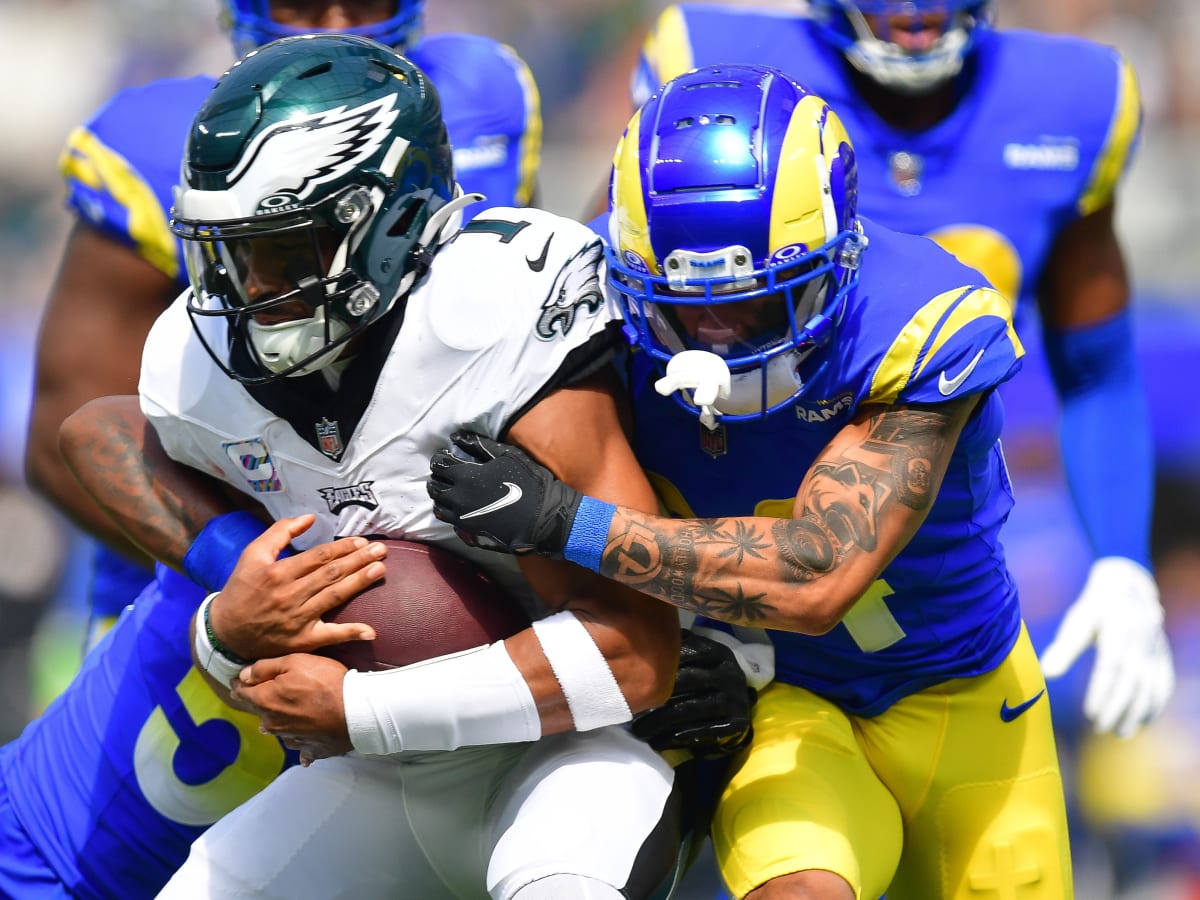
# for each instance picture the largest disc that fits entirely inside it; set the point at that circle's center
(477, 696)
(592, 693)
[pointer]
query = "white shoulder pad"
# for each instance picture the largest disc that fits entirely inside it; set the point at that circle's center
(513, 271)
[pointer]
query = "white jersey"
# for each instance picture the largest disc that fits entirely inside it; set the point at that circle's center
(512, 307)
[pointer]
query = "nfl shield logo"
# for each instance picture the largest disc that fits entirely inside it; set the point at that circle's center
(907, 169)
(329, 439)
(713, 441)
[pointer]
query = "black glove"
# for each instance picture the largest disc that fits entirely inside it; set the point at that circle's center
(499, 498)
(710, 711)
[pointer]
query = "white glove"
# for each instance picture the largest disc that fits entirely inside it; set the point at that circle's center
(1133, 675)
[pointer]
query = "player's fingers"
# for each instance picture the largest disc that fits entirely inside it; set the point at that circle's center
(469, 539)
(299, 574)
(695, 680)
(1074, 636)
(297, 525)
(329, 560)
(340, 580)
(276, 538)
(440, 464)
(476, 447)
(245, 696)
(1114, 684)
(1160, 684)
(259, 671)
(1137, 711)
(349, 564)
(326, 633)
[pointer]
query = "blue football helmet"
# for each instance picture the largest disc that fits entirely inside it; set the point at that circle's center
(250, 25)
(864, 31)
(733, 231)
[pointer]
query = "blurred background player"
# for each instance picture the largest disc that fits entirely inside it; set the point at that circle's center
(960, 138)
(33, 541)
(816, 401)
(122, 266)
(343, 337)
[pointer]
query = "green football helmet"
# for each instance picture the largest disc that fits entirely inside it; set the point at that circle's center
(317, 183)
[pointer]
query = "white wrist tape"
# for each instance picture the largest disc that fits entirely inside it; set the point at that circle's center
(475, 697)
(592, 693)
(212, 660)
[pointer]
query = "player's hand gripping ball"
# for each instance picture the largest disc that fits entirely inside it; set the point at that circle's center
(430, 603)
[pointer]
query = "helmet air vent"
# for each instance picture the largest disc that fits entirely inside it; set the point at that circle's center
(321, 69)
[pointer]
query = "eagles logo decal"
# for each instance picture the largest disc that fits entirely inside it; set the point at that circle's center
(361, 494)
(291, 159)
(577, 285)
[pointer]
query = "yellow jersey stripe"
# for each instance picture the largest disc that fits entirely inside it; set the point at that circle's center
(957, 308)
(87, 160)
(1118, 144)
(530, 150)
(668, 47)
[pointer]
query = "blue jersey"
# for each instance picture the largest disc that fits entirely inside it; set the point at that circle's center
(112, 783)
(121, 168)
(920, 328)
(121, 175)
(1042, 137)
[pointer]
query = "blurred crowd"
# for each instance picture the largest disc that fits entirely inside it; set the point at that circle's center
(581, 54)
(1138, 801)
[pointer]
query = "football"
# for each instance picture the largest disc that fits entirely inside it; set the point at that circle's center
(430, 603)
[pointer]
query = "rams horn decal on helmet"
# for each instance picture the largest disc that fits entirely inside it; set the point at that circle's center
(733, 230)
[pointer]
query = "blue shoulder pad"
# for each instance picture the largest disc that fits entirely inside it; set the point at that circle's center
(493, 114)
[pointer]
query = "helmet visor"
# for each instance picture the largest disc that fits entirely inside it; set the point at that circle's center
(741, 317)
(254, 270)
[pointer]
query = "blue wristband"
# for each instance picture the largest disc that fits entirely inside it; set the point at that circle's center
(211, 559)
(1105, 434)
(589, 533)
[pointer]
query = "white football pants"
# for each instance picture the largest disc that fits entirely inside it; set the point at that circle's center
(469, 824)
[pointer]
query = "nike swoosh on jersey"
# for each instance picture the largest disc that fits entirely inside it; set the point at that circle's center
(540, 263)
(1008, 713)
(511, 496)
(947, 386)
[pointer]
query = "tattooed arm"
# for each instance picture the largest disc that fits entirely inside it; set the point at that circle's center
(860, 502)
(153, 501)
